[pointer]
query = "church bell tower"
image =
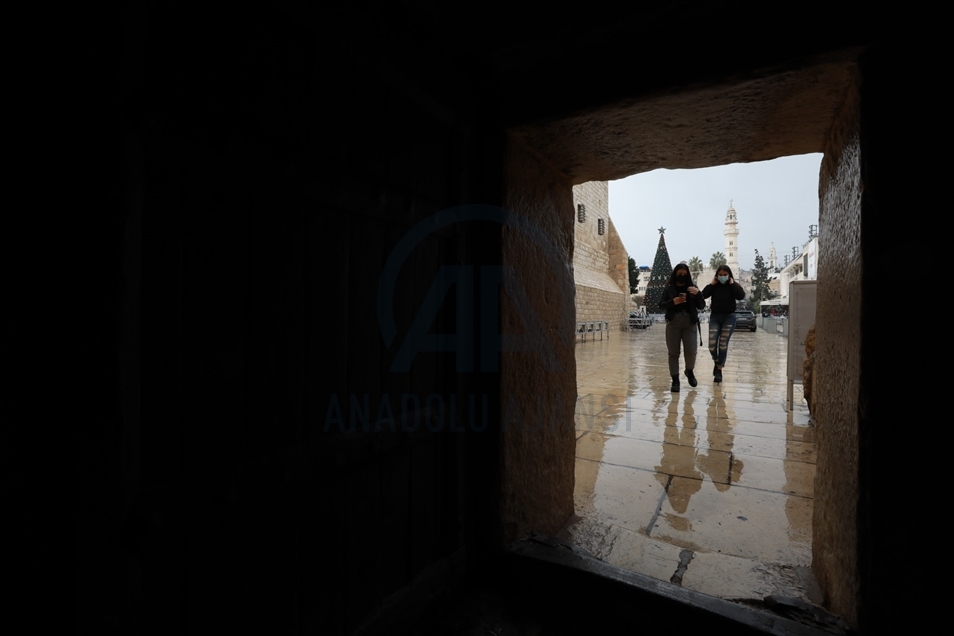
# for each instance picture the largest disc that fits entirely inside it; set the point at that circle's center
(732, 241)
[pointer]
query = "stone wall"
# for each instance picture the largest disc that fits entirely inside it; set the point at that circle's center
(590, 249)
(599, 260)
(618, 259)
(837, 363)
(594, 304)
(537, 436)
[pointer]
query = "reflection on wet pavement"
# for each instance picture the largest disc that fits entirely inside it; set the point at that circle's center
(709, 488)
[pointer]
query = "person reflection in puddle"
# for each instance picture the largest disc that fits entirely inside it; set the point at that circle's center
(677, 471)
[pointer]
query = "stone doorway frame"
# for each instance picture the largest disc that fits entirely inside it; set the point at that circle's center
(780, 112)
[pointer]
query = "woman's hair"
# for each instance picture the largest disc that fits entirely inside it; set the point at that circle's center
(680, 266)
(726, 269)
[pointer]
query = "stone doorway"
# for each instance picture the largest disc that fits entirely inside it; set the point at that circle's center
(813, 108)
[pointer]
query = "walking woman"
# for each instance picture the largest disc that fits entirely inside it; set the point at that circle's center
(724, 291)
(682, 302)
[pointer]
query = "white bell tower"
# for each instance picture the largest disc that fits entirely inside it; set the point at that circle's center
(732, 241)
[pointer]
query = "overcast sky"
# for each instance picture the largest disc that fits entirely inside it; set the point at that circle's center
(773, 200)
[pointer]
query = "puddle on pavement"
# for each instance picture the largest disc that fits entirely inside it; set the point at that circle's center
(723, 470)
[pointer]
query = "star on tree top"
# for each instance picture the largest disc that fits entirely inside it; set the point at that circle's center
(662, 230)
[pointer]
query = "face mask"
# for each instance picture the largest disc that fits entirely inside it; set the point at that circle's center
(723, 279)
(681, 278)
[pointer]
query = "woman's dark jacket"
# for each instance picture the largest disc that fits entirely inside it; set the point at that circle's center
(693, 303)
(723, 297)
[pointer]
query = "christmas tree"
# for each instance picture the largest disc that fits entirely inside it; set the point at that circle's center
(659, 279)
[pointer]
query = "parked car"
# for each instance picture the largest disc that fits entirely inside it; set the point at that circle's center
(745, 319)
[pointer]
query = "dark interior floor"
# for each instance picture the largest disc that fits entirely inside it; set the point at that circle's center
(544, 587)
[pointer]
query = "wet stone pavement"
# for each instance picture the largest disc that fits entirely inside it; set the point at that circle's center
(709, 488)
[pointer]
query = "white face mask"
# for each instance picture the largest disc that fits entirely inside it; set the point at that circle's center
(723, 279)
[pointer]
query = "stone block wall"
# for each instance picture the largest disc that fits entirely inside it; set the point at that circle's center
(837, 355)
(600, 261)
(537, 437)
(618, 258)
(599, 304)
(590, 249)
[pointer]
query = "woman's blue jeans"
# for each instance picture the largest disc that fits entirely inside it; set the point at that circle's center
(721, 327)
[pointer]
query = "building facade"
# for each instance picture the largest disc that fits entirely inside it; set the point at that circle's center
(803, 266)
(600, 261)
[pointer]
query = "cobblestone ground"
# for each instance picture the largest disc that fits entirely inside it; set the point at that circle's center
(709, 488)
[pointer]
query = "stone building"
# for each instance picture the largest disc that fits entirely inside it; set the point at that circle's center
(600, 261)
(645, 273)
(242, 462)
(803, 266)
